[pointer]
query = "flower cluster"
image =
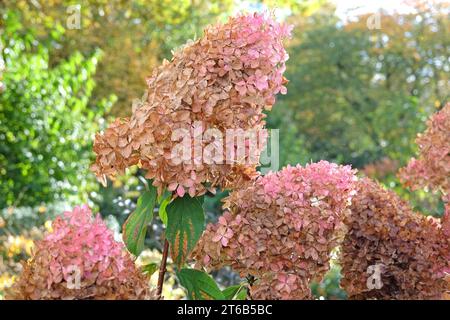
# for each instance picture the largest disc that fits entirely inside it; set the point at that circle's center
(223, 81)
(281, 229)
(408, 248)
(432, 168)
(446, 230)
(80, 259)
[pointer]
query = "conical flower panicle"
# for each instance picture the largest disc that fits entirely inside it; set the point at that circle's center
(218, 83)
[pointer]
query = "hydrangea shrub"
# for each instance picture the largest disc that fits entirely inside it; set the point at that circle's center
(279, 231)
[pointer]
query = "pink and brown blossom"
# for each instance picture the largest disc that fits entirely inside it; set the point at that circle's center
(411, 249)
(283, 228)
(79, 259)
(224, 80)
(431, 168)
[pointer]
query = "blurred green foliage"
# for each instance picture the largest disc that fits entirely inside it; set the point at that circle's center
(46, 126)
(134, 35)
(329, 288)
(358, 95)
(17, 220)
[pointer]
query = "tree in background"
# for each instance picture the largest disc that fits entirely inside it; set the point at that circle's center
(46, 125)
(358, 95)
(134, 36)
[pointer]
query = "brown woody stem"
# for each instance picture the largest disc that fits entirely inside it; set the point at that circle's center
(162, 268)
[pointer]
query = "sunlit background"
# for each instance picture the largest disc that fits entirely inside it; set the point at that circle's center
(364, 77)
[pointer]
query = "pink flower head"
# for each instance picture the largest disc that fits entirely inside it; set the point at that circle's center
(80, 259)
(283, 227)
(432, 167)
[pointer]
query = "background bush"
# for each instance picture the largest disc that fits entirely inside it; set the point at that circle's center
(46, 126)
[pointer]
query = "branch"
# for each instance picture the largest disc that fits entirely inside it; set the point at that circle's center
(162, 268)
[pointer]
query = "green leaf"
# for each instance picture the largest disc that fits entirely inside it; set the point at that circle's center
(185, 224)
(150, 268)
(241, 295)
(199, 285)
(236, 292)
(135, 228)
(162, 209)
(230, 292)
(164, 195)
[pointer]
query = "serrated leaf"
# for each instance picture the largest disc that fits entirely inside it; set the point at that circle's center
(150, 268)
(236, 292)
(199, 285)
(185, 224)
(135, 227)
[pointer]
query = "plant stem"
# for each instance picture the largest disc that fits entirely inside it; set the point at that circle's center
(162, 268)
(250, 281)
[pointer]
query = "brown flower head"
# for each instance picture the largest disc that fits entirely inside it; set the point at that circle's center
(221, 82)
(432, 167)
(389, 251)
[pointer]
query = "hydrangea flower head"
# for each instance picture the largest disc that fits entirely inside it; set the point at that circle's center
(80, 259)
(410, 250)
(281, 229)
(432, 167)
(223, 81)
